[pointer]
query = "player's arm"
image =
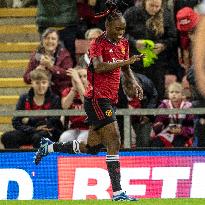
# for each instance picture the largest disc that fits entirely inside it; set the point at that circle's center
(101, 66)
(199, 55)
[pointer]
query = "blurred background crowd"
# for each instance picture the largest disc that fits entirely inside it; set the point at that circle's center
(163, 30)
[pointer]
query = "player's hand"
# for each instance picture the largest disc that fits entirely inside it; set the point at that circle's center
(134, 58)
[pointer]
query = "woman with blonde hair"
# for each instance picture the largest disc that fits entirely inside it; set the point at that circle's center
(153, 21)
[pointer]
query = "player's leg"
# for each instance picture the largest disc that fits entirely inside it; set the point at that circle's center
(111, 139)
(105, 130)
(71, 147)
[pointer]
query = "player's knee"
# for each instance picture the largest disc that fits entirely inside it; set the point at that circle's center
(94, 149)
(114, 144)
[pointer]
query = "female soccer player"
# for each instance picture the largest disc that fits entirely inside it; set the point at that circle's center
(109, 55)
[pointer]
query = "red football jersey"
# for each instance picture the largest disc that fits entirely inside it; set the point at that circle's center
(106, 84)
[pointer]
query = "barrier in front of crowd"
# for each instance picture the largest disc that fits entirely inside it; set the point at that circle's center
(144, 174)
(125, 112)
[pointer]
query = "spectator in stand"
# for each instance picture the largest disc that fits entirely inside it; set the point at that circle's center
(86, 17)
(93, 33)
(61, 15)
(173, 130)
(53, 57)
(179, 4)
(90, 34)
(30, 130)
(187, 20)
(73, 98)
(128, 99)
(153, 21)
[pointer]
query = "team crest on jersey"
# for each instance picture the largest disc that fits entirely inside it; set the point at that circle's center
(123, 50)
(108, 113)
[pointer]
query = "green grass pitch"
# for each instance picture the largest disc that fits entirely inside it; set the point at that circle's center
(107, 202)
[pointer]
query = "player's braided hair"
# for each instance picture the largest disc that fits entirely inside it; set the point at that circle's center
(113, 10)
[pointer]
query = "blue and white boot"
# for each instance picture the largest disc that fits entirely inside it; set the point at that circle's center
(43, 150)
(123, 197)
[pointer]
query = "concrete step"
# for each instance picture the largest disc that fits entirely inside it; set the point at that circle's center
(5, 120)
(17, 20)
(27, 28)
(12, 83)
(13, 68)
(11, 72)
(8, 100)
(28, 37)
(19, 33)
(6, 127)
(17, 12)
(15, 56)
(81, 46)
(13, 91)
(19, 63)
(18, 47)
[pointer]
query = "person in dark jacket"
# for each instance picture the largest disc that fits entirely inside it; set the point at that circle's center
(30, 130)
(140, 124)
(155, 23)
(53, 57)
(62, 15)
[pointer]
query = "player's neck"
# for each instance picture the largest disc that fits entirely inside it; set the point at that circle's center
(111, 40)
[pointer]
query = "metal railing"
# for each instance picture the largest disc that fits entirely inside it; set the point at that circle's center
(125, 112)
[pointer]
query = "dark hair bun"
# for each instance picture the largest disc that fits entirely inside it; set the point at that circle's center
(116, 4)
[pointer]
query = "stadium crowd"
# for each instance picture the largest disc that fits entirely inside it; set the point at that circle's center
(162, 30)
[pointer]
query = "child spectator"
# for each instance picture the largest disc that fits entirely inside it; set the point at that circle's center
(73, 98)
(30, 130)
(173, 130)
(53, 57)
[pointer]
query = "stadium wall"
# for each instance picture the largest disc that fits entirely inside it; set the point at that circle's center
(145, 174)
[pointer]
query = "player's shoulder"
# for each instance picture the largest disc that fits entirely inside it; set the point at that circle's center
(100, 39)
(124, 41)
